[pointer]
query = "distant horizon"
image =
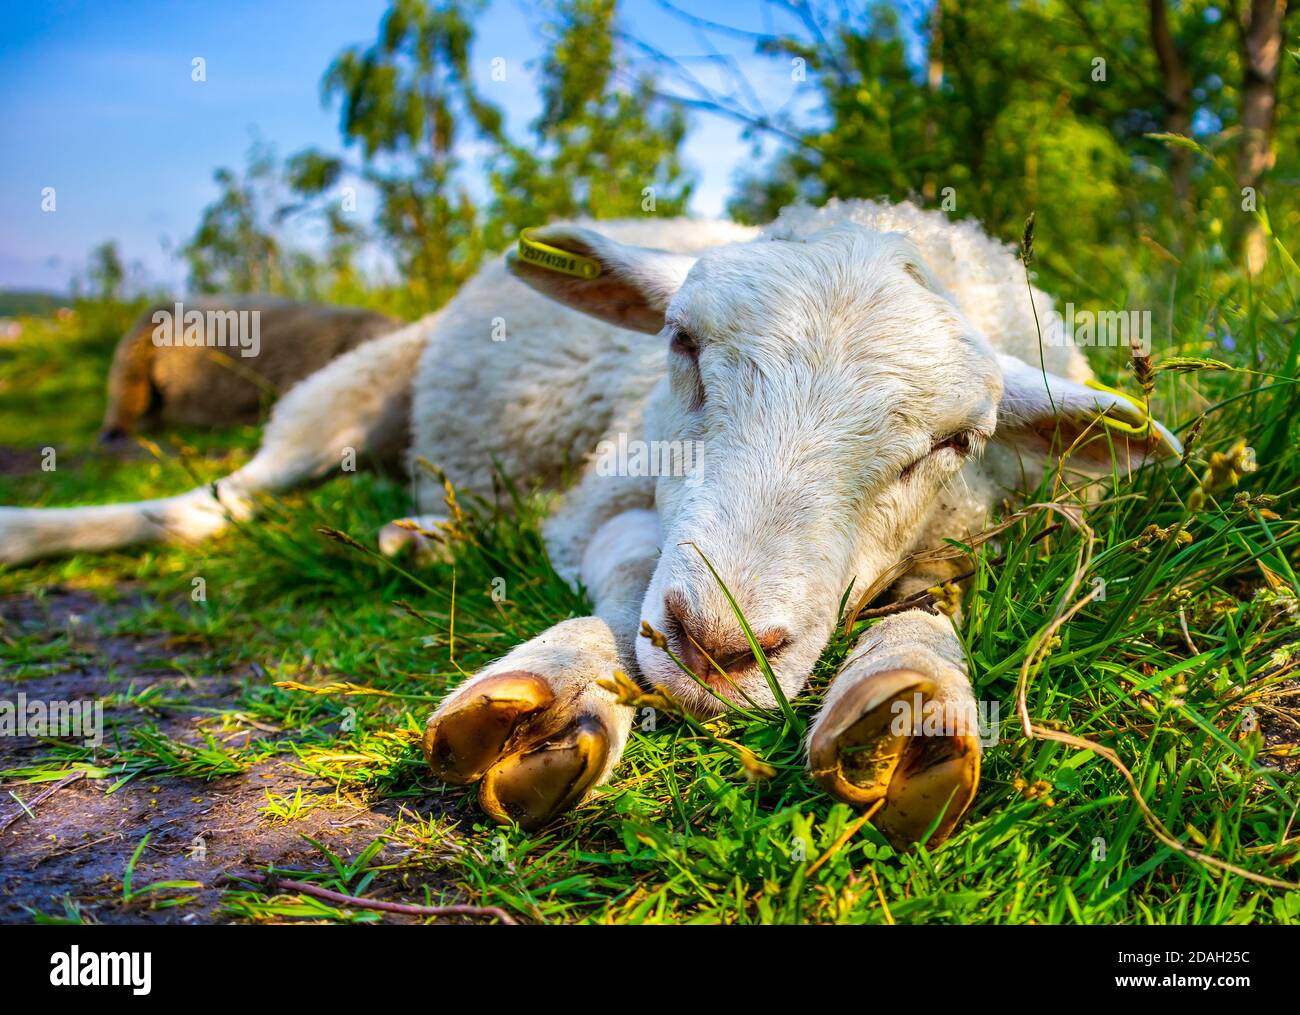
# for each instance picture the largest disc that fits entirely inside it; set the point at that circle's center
(101, 108)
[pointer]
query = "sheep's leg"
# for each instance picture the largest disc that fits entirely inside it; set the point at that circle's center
(358, 406)
(899, 729)
(535, 729)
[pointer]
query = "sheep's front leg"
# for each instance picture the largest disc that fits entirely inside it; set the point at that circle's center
(899, 729)
(535, 729)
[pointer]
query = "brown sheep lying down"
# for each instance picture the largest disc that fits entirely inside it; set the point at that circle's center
(210, 362)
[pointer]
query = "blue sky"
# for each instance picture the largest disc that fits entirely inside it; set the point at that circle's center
(98, 103)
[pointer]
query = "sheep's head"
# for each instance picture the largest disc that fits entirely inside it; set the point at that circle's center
(827, 398)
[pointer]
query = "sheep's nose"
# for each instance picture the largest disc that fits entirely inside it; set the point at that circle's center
(707, 646)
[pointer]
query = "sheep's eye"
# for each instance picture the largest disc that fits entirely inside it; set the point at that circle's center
(685, 343)
(959, 442)
(688, 382)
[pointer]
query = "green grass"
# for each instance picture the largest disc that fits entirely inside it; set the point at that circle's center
(683, 834)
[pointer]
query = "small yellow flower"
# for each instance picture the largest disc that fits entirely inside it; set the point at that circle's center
(947, 598)
(656, 638)
(756, 770)
(1154, 533)
(1227, 467)
(1039, 790)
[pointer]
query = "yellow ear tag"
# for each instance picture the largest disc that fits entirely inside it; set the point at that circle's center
(1146, 430)
(543, 255)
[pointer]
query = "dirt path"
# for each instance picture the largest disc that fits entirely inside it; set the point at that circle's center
(77, 842)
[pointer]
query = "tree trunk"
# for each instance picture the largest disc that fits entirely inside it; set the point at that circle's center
(1261, 58)
(934, 81)
(1178, 101)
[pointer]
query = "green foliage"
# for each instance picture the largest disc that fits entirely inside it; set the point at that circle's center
(1198, 625)
(403, 101)
(409, 104)
(242, 245)
(1190, 635)
(234, 248)
(15, 302)
(106, 274)
(1045, 106)
(595, 150)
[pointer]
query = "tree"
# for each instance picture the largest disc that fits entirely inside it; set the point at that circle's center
(596, 149)
(602, 146)
(234, 248)
(1178, 99)
(1055, 106)
(1261, 59)
(985, 128)
(106, 274)
(403, 102)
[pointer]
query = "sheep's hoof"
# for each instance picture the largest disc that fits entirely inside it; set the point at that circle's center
(463, 742)
(855, 749)
(932, 787)
(533, 785)
(865, 751)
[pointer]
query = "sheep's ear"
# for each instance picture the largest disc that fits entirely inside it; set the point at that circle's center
(1041, 411)
(627, 286)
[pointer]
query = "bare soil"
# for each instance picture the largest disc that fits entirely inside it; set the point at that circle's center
(77, 842)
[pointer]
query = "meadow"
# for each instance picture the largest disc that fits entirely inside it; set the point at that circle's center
(265, 692)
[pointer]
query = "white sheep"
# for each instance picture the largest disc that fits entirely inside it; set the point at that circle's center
(856, 381)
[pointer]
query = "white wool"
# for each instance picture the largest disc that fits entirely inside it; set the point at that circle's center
(983, 276)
